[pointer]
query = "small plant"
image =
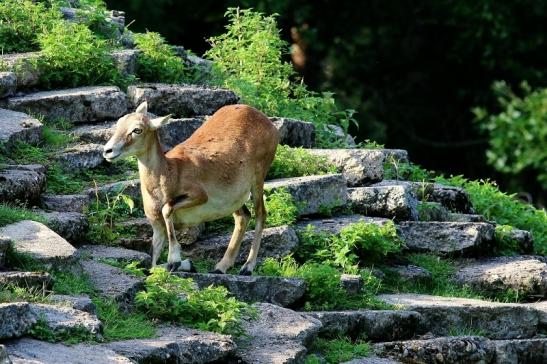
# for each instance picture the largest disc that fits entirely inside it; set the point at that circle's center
(506, 243)
(158, 61)
(280, 207)
(11, 293)
(296, 162)
(132, 268)
(402, 170)
(10, 214)
(466, 331)
(121, 325)
(71, 284)
(176, 299)
(340, 349)
(41, 331)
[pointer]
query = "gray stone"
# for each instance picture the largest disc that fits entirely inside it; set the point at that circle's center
(79, 105)
(177, 345)
(433, 211)
(520, 351)
(277, 290)
(180, 100)
(63, 319)
(98, 133)
(352, 283)
(112, 282)
(457, 217)
(313, 194)
(40, 243)
(4, 358)
(440, 315)
(81, 303)
(98, 252)
(396, 202)
(453, 350)
(373, 360)
(126, 60)
(374, 325)
(24, 66)
(522, 239)
(279, 335)
(23, 183)
(81, 157)
(30, 351)
(295, 133)
(341, 136)
(30, 280)
(455, 238)
(359, 166)
(8, 84)
(524, 275)
(5, 245)
(132, 188)
(70, 225)
(411, 273)
(177, 130)
(16, 319)
(333, 225)
(65, 203)
(276, 243)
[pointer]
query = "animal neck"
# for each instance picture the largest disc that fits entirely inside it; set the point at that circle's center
(152, 162)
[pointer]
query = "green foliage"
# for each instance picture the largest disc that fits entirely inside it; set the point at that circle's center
(506, 244)
(296, 162)
(72, 56)
(339, 350)
(71, 284)
(175, 299)
(132, 268)
(10, 214)
(11, 293)
(466, 331)
(158, 61)
(20, 23)
(41, 331)
(22, 261)
(400, 170)
(248, 59)
(518, 134)
(121, 325)
(280, 208)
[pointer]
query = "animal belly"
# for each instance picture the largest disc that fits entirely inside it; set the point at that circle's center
(215, 208)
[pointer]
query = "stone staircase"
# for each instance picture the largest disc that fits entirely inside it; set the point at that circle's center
(423, 328)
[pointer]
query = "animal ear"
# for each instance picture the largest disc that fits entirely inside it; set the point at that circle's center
(157, 122)
(142, 108)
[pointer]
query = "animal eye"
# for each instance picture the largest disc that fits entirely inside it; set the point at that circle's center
(137, 131)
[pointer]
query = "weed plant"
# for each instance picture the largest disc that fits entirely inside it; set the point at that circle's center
(158, 61)
(296, 162)
(10, 214)
(337, 350)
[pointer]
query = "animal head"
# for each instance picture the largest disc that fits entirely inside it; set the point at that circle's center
(133, 134)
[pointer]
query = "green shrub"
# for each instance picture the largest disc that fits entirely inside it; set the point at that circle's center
(340, 349)
(518, 134)
(296, 162)
(280, 208)
(175, 299)
(248, 59)
(158, 62)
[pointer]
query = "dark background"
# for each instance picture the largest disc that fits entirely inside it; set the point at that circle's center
(412, 69)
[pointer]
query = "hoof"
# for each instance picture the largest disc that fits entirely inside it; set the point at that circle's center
(192, 268)
(173, 267)
(216, 271)
(245, 272)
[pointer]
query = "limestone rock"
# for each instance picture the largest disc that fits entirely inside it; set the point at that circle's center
(340, 136)
(80, 303)
(177, 345)
(126, 60)
(65, 203)
(454, 350)
(440, 315)
(21, 182)
(98, 133)
(31, 280)
(374, 325)
(276, 243)
(132, 188)
(62, 319)
(453, 238)
(523, 239)
(40, 243)
(177, 130)
(279, 335)
(295, 133)
(411, 273)
(180, 100)
(22, 64)
(352, 283)
(98, 252)
(112, 282)
(434, 211)
(70, 225)
(81, 157)
(79, 105)
(373, 360)
(313, 193)
(277, 290)
(359, 166)
(520, 351)
(458, 217)
(333, 225)
(384, 201)
(16, 319)
(8, 84)
(522, 274)
(4, 358)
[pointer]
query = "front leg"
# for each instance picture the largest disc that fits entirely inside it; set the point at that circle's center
(158, 240)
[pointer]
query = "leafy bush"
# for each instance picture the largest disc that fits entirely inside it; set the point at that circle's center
(158, 62)
(280, 208)
(340, 349)
(296, 162)
(248, 59)
(175, 299)
(518, 134)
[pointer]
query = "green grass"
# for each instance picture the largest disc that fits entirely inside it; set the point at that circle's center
(73, 335)
(11, 293)
(71, 284)
(10, 214)
(119, 325)
(465, 331)
(296, 162)
(338, 350)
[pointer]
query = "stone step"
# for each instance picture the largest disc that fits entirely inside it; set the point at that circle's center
(99, 252)
(4, 358)
(276, 242)
(8, 84)
(523, 240)
(313, 194)
(396, 202)
(81, 157)
(112, 283)
(374, 325)
(525, 275)
(373, 360)
(441, 315)
(63, 319)
(29, 280)
(80, 302)
(180, 100)
(360, 166)
(23, 65)
(23, 183)
(295, 133)
(65, 203)
(16, 318)
(277, 290)
(278, 335)
(40, 243)
(70, 225)
(132, 188)
(18, 127)
(5, 245)
(446, 238)
(333, 225)
(78, 105)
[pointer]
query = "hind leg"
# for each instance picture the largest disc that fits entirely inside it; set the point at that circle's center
(241, 219)
(260, 214)
(158, 240)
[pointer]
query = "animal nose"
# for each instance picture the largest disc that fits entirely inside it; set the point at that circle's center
(109, 150)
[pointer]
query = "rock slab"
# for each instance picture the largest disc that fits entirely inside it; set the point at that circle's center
(384, 201)
(295, 133)
(18, 127)
(22, 183)
(16, 319)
